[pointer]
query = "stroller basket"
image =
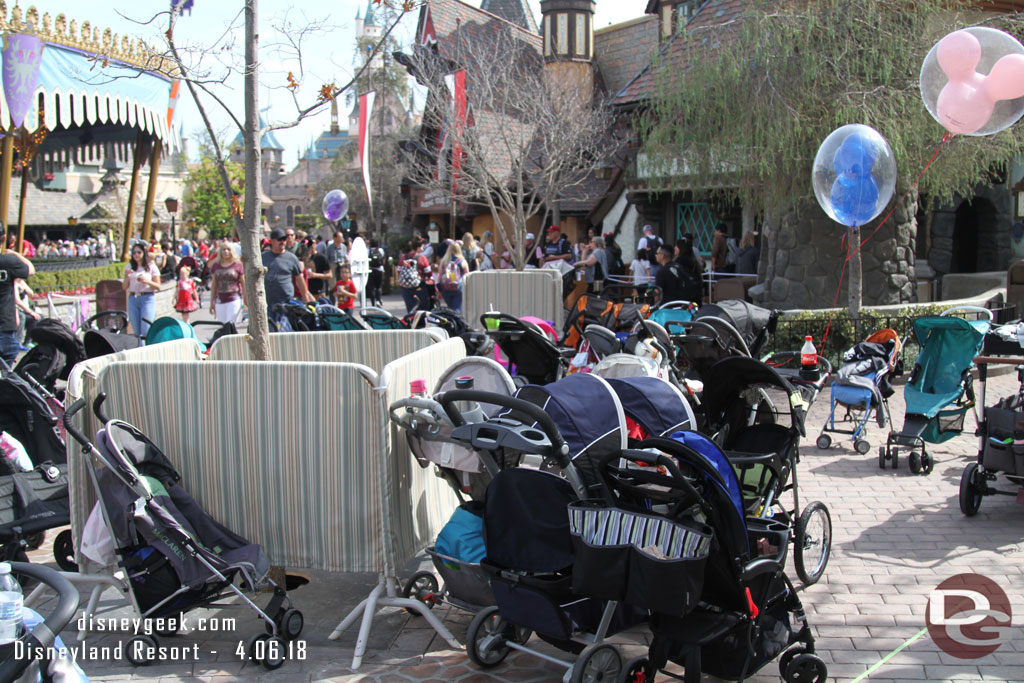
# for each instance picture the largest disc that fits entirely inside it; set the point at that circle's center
(1001, 425)
(946, 425)
(466, 582)
(642, 559)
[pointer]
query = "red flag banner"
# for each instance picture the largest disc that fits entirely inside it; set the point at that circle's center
(460, 125)
(365, 116)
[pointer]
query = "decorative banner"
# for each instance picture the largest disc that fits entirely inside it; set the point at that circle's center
(172, 102)
(365, 114)
(460, 127)
(22, 55)
(428, 36)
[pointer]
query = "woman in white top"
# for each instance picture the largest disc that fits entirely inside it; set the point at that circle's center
(141, 282)
(487, 252)
(641, 269)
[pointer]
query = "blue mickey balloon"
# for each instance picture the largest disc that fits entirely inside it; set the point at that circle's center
(854, 198)
(854, 174)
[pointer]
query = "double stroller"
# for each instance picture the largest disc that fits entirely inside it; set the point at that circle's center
(720, 330)
(940, 390)
(175, 557)
(862, 386)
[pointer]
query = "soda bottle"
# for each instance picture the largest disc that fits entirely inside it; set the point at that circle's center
(11, 600)
(808, 360)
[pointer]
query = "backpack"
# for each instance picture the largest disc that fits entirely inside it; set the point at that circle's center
(408, 274)
(451, 276)
(376, 259)
(690, 284)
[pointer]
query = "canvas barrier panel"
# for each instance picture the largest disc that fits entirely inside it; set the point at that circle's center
(375, 349)
(536, 292)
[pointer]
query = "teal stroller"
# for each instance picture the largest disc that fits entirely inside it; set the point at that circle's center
(940, 390)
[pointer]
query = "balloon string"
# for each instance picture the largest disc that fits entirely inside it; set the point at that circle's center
(851, 250)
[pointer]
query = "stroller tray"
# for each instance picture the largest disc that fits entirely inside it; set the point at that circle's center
(466, 582)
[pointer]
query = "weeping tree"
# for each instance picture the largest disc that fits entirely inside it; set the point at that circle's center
(759, 93)
(524, 141)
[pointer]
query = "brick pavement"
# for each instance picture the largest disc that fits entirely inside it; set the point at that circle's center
(896, 536)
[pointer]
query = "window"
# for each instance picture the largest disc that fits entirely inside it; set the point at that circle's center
(290, 219)
(548, 37)
(675, 15)
(563, 34)
(581, 35)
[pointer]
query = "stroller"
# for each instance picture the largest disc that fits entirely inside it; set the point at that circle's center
(106, 333)
(674, 311)
(652, 406)
(535, 356)
(379, 319)
(727, 328)
(591, 310)
(745, 400)
(57, 349)
(940, 390)
(1002, 451)
(862, 387)
(428, 429)
(529, 547)
(176, 557)
(728, 613)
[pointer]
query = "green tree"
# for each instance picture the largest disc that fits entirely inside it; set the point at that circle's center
(204, 195)
(759, 95)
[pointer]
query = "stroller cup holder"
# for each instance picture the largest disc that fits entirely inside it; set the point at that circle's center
(505, 433)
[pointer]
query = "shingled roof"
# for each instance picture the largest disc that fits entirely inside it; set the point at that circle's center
(702, 32)
(624, 50)
(515, 11)
(446, 20)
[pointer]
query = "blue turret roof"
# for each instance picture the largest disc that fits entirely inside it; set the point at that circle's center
(268, 141)
(370, 19)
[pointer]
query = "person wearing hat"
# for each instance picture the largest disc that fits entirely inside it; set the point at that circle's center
(531, 251)
(556, 248)
(284, 273)
(13, 266)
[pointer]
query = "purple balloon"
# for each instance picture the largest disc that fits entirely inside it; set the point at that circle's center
(335, 205)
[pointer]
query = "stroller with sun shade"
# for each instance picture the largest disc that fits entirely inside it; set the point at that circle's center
(940, 390)
(764, 452)
(863, 388)
(727, 615)
(721, 330)
(570, 425)
(535, 356)
(175, 557)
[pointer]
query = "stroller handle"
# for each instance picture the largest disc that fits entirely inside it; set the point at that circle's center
(547, 425)
(44, 634)
(974, 309)
(678, 479)
(73, 409)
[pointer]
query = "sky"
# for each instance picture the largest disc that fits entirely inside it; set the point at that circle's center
(212, 37)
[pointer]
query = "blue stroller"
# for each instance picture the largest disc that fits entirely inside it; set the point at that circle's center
(940, 390)
(862, 387)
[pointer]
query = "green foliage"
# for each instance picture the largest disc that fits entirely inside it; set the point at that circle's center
(205, 201)
(63, 279)
(307, 221)
(759, 96)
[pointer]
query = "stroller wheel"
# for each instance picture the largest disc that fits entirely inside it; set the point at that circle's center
(267, 650)
(881, 457)
(806, 668)
(64, 551)
(599, 662)
(824, 441)
(486, 639)
(635, 671)
(927, 464)
(971, 490)
(787, 658)
(861, 446)
(813, 542)
(35, 540)
(915, 463)
(422, 586)
(139, 650)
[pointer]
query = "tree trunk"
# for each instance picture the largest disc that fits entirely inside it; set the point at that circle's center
(259, 331)
(853, 247)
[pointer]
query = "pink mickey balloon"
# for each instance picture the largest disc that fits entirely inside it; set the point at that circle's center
(972, 81)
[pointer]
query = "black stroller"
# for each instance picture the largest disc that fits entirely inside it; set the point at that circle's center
(535, 356)
(106, 333)
(57, 349)
(728, 613)
(764, 453)
(175, 556)
(721, 330)
(530, 551)
(1001, 452)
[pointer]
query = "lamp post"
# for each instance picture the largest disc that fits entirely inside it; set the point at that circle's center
(172, 208)
(192, 227)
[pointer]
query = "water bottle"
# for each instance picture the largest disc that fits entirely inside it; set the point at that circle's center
(15, 453)
(471, 410)
(808, 360)
(418, 388)
(11, 623)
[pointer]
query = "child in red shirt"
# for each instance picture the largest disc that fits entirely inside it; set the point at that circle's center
(345, 290)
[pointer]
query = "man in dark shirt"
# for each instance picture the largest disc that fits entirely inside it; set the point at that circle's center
(282, 267)
(555, 248)
(667, 277)
(12, 266)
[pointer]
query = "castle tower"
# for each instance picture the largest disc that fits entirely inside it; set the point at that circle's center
(568, 30)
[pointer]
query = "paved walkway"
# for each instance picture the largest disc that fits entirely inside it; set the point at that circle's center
(896, 536)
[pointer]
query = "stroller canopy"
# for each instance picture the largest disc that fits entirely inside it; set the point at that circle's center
(948, 347)
(102, 342)
(653, 403)
(488, 375)
(50, 332)
(25, 415)
(731, 376)
(588, 415)
(749, 320)
(168, 329)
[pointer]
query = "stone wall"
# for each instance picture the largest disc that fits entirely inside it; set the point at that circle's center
(990, 212)
(802, 258)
